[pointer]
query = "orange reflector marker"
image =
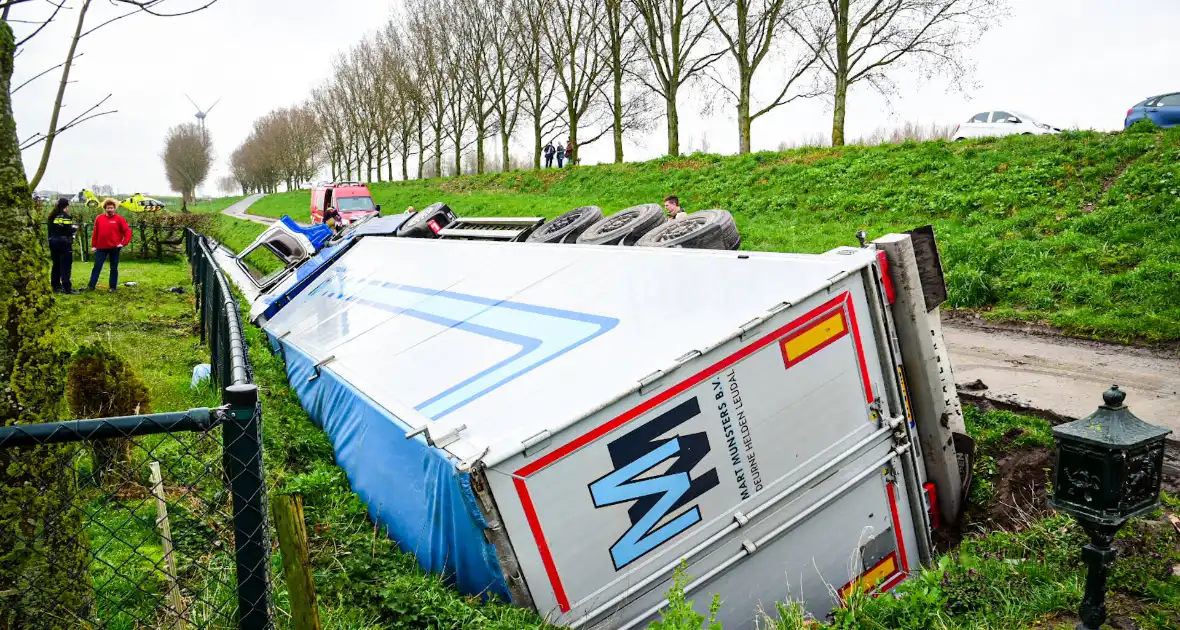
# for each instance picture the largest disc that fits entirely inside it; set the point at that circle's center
(811, 339)
(868, 581)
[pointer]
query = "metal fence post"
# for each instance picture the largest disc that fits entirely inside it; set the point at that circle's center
(242, 438)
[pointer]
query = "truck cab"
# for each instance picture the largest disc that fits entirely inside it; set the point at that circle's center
(351, 199)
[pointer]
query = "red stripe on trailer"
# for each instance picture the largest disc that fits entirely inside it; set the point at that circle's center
(885, 279)
(860, 351)
(905, 565)
(842, 301)
(530, 512)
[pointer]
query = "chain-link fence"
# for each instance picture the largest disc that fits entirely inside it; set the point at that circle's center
(150, 521)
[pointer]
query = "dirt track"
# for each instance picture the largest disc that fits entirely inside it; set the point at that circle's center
(1060, 376)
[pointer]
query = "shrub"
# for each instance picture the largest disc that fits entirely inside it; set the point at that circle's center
(1143, 125)
(101, 384)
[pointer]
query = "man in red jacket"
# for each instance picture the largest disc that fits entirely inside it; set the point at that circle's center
(111, 233)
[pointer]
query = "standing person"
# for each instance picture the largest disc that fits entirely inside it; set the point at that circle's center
(672, 208)
(111, 233)
(560, 155)
(548, 151)
(569, 151)
(61, 246)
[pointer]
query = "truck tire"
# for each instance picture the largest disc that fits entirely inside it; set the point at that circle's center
(624, 227)
(567, 227)
(427, 222)
(706, 229)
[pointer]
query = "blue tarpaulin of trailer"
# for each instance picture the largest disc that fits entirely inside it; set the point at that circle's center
(413, 490)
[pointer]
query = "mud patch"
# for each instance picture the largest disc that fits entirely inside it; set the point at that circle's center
(1020, 483)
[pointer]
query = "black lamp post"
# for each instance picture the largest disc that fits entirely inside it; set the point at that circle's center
(1108, 471)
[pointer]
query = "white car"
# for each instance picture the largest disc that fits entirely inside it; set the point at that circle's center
(1002, 123)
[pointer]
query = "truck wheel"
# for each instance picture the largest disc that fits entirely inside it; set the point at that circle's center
(707, 229)
(428, 222)
(624, 227)
(567, 227)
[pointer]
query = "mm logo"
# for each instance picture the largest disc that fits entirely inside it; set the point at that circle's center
(634, 455)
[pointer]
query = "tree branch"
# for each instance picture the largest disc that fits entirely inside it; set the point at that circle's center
(72, 124)
(17, 88)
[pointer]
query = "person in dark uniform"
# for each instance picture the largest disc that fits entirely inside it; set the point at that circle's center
(61, 246)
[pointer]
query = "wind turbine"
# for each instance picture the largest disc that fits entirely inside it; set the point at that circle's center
(201, 114)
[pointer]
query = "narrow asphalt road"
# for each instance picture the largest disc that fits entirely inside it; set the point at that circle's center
(238, 210)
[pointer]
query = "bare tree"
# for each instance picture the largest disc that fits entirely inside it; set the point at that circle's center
(471, 25)
(574, 35)
(506, 72)
(56, 127)
(630, 109)
(188, 156)
(857, 40)
(427, 45)
(672, 32)
(537, 78)
(227, 185)
(750, 30)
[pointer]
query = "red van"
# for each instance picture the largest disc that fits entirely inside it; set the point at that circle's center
(352, 199)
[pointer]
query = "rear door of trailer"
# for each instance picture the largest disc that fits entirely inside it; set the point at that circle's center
(776, 464)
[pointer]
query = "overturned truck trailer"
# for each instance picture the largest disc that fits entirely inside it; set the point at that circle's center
(562, 425)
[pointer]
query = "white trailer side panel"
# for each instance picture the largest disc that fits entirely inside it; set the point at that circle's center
(764, 461)
(504, 341)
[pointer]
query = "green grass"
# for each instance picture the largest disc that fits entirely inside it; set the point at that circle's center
(1080, 230)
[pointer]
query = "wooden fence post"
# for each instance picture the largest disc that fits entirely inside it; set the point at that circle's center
(166, 535)
(292, 531)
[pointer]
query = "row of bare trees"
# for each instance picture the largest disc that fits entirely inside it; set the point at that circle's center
(445, 78)
(285, 146)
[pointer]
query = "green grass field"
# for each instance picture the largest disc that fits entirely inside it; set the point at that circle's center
(1080, 231)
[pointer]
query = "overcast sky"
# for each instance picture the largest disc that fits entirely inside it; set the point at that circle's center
(1068, 62)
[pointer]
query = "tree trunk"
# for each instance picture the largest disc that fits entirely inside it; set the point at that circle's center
(37, 485)
(673, 124)
(618, 112)
(841, 95)
(743, 113)
(438, 150)
(458, 157)
(573, 119)
(538, 141)
(480, 131)
(504, 137)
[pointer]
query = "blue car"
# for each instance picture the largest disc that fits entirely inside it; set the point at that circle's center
(1163, 110)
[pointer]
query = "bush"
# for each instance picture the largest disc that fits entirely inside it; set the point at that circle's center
(1143, 125)
(102, 384)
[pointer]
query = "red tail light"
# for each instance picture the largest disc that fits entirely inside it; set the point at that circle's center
(1130, 110)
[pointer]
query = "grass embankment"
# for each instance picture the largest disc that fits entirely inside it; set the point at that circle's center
(1080, 231)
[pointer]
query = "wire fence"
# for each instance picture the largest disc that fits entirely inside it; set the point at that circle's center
(146, 521)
